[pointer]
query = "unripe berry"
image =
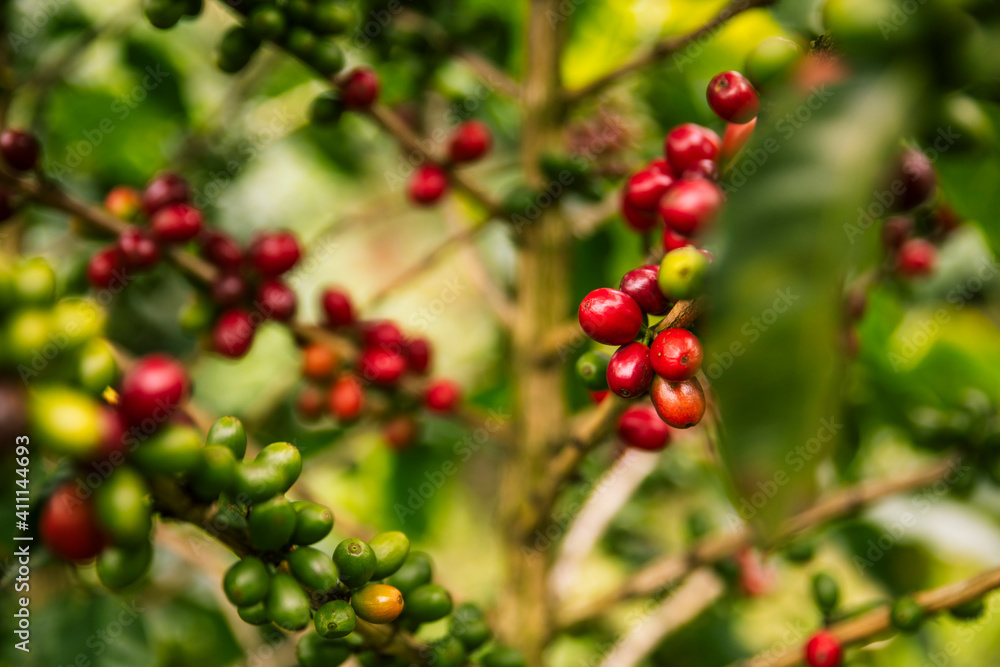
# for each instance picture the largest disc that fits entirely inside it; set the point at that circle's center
(679, 404)
(914, 175)
(337, 308)
(734, 138)
(640, 427)
(688, 143)
(733, 98)
(123, 202)
(471, 140)
(221, 250)
(266, 23)
(68, 525)
(682, 273)
(823, 650)
(641, 285)
(442, 396)
(359, 89)
(19, 149)
(274, 253)
(233, 333)
(676, 355)
(276, 300)
(427, 185)
(689, 207)
(610, 316)
(176, 223)
(917, 257)
(592, 367)
(772, 61)
(153, 389)
(645, 187)
(228, 289)
(636, 218)
(418, 355)
(629, 371)
(318, 361)
(163, 190)
(381, 366)
(105, 267)
(346, 400)
(906, 614)
(137, 249)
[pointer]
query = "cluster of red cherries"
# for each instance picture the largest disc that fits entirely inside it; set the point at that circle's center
(470, 141)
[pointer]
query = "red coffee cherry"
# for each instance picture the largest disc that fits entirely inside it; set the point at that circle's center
(274, 253)
(636, 218)
(138, 250)
(228, 289)
(310, 403)
(359, 89)
(917, 257)
(346, 400)
(672, 240)
(660, 164)
(629, 371)
(221, 250)
(163, 190)
(676, 354)
(823, 650)
(19, 149)
(418, 355)
(914, 175)
(680, 404)
(233, 333)
(640, 284)
(318, 361)
(598, 396)
(276, 300)
(734, 138)
(69, 527)
(640, 427)
(113, 430)
(895, 231)
(105, 268)
(610, 316)
(427, 185)
(400, 432)
(176, 223)
(123, 202)
(471, 140)
(702, 169)
(382, 334)
(690, 206)
(381, 366)
(153, 388)
(442, 396)
(688, 143)
(645, 187)
(337, 308)
(733, 98)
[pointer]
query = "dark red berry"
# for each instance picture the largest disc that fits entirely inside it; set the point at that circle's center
(69, 526)
(359, 89)
(138, 250)
(640, 284)
(734, 138)
(105, 268)
(629, 371)
(672, 240)
(823, 650)
(176, 223)
(895, 231)
(337, 308)
(680, 404)
(382, 334)
(442, 396)
(380, 365)
(690, 206)
(346, 400)
(221, 250)
(310, 403)
(688, 143)
(640, 427)
(733, 98)
(228, 289)
(400, 432)
(645, 187)
(153, 389)
(19, 149)
(233, 333)
(471, 140)
(598, 396)
(636, 218)
(113, 429)
(676, 354)
(418, 355)
(163, 190)
(274, 253)
(660, 164)
(428, 184)
(123, 202)
(914, 180)
(702, 169)
(276, 300)
(916, 257)
(945, 218)
(610, 316)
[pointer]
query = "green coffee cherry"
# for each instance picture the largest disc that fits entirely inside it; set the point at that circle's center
(563, 168)
(297, 10)
(301, 42)
(271, 523)
(335, 619)
(592, 367)
(256, 483)
(236, 48)
(800, 551)
(469, 627)
(215, 473)
(287, 604)
(327, 57)
(284, 458)
(326, 109)
(313, 522)
(355, 561)
(447, 652)
(7, 297)
(772, 62)
(416, 571)
(503, 656)
(255, 614)
(97, 368)
(377, 603)
(906, 614)
(66, 422)
(314, 651)
(313, 568)
(699, 524)
(174, 449)
(682, 273)
(26, 336)
(390, 549)
(193, 7)
(123, 506)
(329, 17)
(247, 582)
(76, 322)
(228, 432)
(163, 14)
(266, 22)
(968, 611)
(428, 603)
(119, 566)
(521, 201)
(34, 283)
(826, 592)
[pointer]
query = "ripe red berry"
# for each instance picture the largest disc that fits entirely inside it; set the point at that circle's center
(318, 361)
(19, 149)
(610, 316)
(382, 334)
(337, 308)
(221, 250)
(138, 250)
(228, 289)
(153, 389)
(680, 404)
(733, 98)
(660, 164)
(823, 650)
(702, 169)
(105, 268)
(914, 180)
(629, 371)
(233, 333)
(176, 223)
(381, 366)
(598, 396)
(310, 403)
(418, 355)
(274, 253)
(163, 190)
(113, 430)
(640, 284)
(690, 206)
(676, 354)
(346, 400)
(645, 187)
(359, 89)
(895, 231)
(400, 432)
(442, 396)
(672, 240)
(276, 300)
(428, 184)
(640, 427)
(916, 257)
(69, 527)
(734, 138)
(471, 140)
(123, 202)
(636, 218)
(688, 143)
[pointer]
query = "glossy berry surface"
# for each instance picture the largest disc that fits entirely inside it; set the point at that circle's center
(19, 149)
(176, 223)
(427, 185)
(221, 250)
(163, 190)
(610, 316)
(640, 427)
(68, 525)
(274, 253)
(442, 396)
(359, 90)
(153, 389)
(676, 354)
(823, 650)
(629, 371)
(641, 285)
(318, 361)
(682, 273)
(688, 143)
(381, 366)
(123, 202)
(233, 333)
(138, 250)
(418, 355)
(471, 141)
(916, 257)
(733, 98)
(346, 399)
(679, 404)
(915, 178)
(638, 219)
(276, 300)
(672, 240)
(383, 334)
(706, 169)
(228, 289)
(645, 187)
(337, 308)
(105, 268)
(689, 207)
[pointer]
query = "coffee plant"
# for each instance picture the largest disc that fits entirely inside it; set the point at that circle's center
(290, 373)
